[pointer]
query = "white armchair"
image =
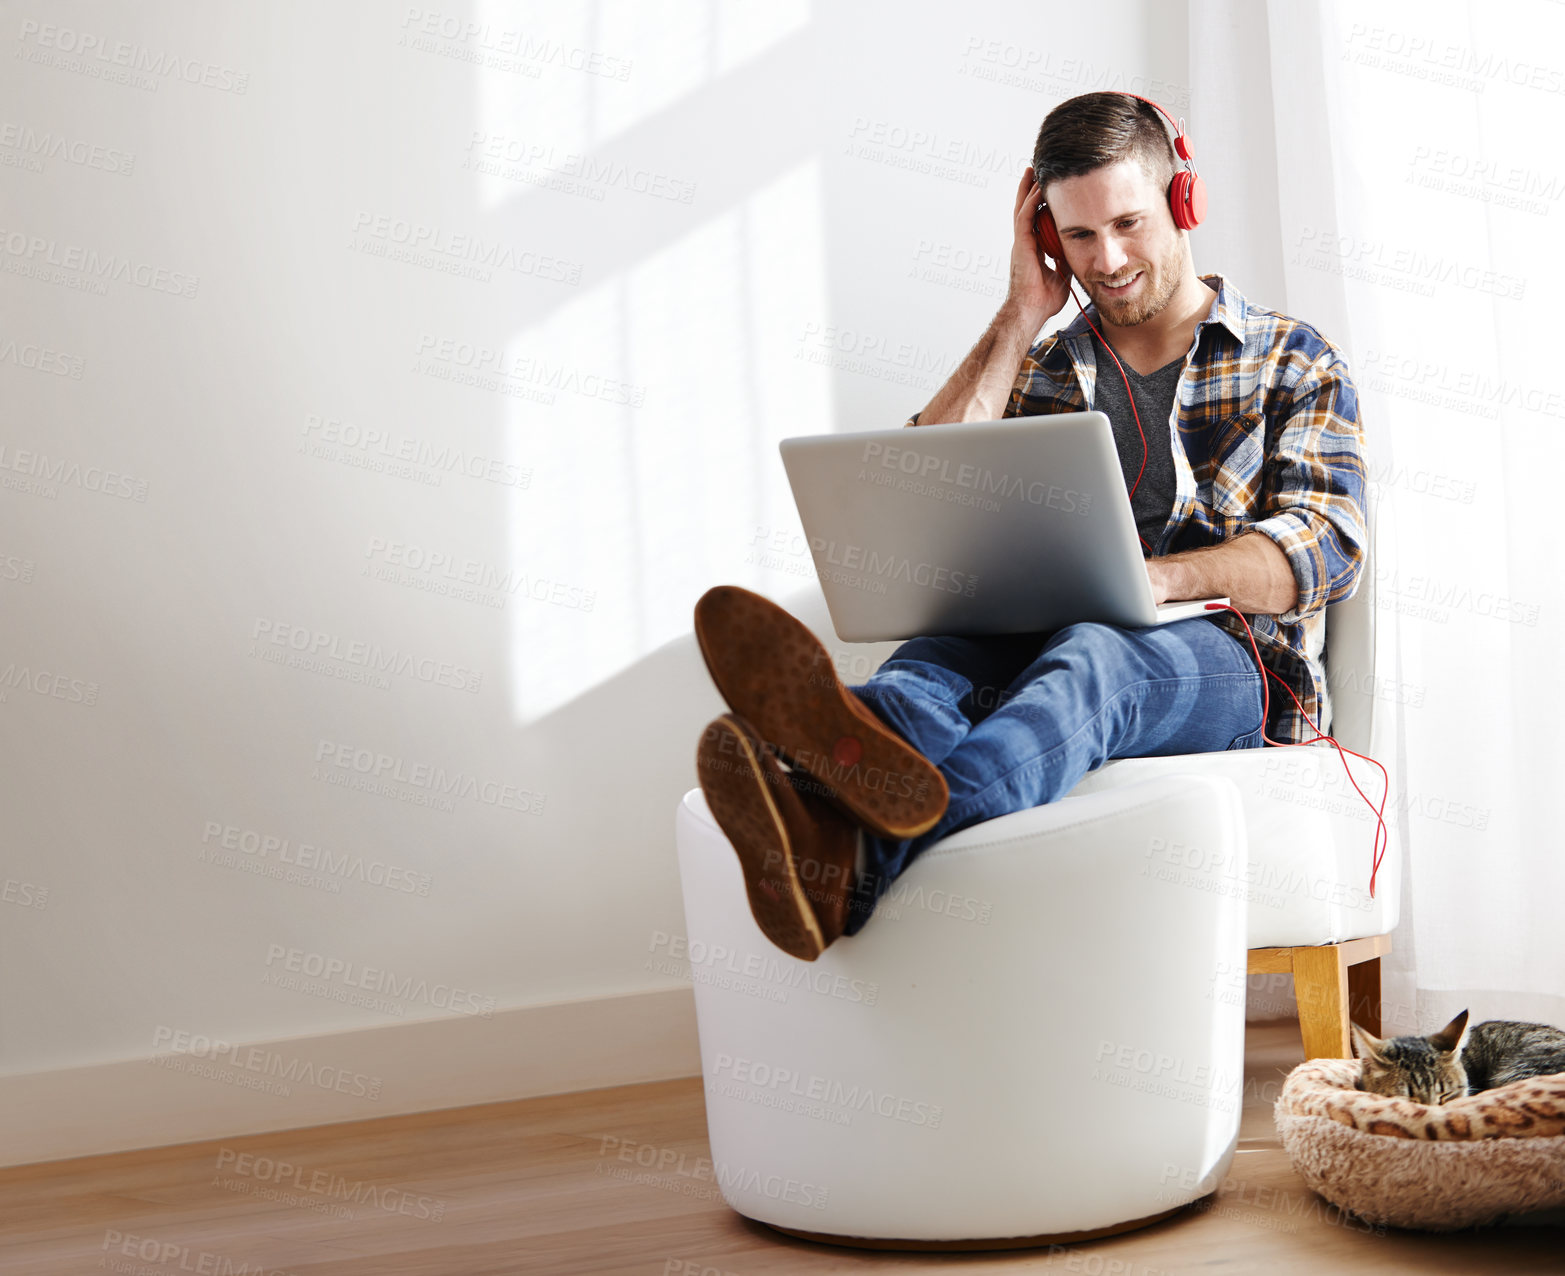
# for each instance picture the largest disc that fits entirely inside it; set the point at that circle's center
(1039, 1035)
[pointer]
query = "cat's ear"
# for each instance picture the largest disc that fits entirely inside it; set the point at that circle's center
(1449, 1038)
(1368, 1045)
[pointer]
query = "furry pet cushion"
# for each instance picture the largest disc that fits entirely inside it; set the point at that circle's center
(1437, 1167)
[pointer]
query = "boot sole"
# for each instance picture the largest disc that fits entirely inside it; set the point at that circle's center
(775, 673)
(741, 786)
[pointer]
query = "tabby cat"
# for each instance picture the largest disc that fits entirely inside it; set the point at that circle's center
(1454, 1062)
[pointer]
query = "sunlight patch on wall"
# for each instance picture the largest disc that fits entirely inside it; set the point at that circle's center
(657, 461)
(601, 69)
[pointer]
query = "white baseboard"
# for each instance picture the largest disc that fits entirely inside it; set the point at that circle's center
(204, 1091)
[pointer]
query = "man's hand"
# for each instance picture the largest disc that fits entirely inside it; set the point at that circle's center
(980, 386)
(1251, 571)
(1037, 292)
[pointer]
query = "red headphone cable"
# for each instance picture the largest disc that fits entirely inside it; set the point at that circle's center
(1377, 852)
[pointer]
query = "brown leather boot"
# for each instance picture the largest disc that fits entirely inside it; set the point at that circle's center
(826, 861)
(774, 673)
(791, 844)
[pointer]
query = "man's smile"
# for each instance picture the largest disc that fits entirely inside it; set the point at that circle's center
(1123, 286)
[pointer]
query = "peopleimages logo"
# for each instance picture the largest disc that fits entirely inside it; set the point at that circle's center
(515, 42)
(876, 567)
(439, 571)
(664, 1160)
(268, 1062)
(36, 250)
(826, 1090)
(386, 768)
(71, 150)
(52, 471)
(36, 358)
(287, 1175)
(319, 645)
(1365, 257)
(768, 967)
(349, 974)
(84, 49)
(1215, 871)
(307, 858)
(1426, 595)
(454, 250)
(976, 478)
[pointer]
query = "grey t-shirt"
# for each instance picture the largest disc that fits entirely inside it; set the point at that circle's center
(1154, 499)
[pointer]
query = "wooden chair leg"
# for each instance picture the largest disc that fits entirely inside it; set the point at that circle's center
(1320, 985)
(1364, 995)
(1329, 982)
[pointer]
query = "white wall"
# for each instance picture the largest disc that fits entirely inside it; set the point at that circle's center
(795, 219)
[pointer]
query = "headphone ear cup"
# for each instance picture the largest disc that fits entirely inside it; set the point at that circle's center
(1196, 200)
(1049, 233)
(1187, 199)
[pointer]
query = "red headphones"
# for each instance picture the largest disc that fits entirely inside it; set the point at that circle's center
(1186, 193)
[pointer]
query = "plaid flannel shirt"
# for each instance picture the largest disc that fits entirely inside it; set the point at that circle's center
(1266, 439)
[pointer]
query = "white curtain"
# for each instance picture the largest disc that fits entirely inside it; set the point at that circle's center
(1392, 173)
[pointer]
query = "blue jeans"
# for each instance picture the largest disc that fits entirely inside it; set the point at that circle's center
(1015, 721)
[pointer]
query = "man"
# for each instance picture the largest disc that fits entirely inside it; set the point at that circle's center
(1249, 484)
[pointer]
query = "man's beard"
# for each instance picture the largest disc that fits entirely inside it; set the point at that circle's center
(1152, 296)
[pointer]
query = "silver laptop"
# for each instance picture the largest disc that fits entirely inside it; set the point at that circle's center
(978, 527)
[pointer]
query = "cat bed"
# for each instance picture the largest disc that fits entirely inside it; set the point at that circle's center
(1437, 1167)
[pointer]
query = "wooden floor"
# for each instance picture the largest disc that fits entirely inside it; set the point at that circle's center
(537, 1186)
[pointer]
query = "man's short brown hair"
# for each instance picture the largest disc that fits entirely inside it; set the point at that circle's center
(1097, 129)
